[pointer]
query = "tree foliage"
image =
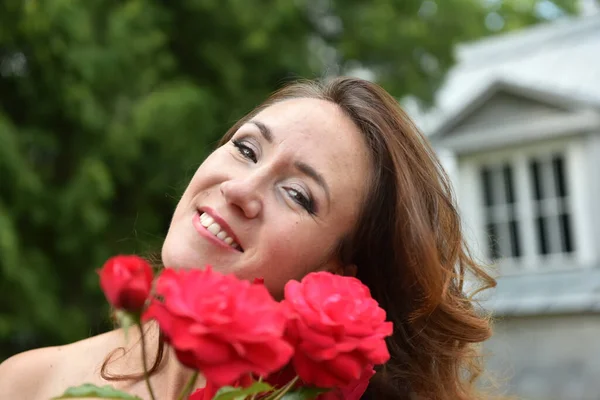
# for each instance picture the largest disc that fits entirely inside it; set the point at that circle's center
(108, 106)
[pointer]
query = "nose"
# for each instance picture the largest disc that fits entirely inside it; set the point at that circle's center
(243, 194)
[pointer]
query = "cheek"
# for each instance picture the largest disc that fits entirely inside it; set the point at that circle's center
(292, 253)
(200, 181)
(205, 179)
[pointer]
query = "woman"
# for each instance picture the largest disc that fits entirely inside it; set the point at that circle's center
(323, 176)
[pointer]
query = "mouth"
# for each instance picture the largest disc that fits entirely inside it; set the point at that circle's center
(218, 230)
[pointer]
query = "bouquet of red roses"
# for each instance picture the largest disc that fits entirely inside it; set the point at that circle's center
(322, 341)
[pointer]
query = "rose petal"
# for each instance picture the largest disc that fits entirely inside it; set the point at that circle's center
(225, 327)
(337, 328)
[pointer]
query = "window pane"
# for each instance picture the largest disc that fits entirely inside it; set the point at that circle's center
(559, 175)
(536, 177)
(565, 227)
(494, 248)
(486, 181)
(515, 245)
(543, 240)
(508, 184)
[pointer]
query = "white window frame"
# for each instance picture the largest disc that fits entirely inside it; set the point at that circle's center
(471, 205)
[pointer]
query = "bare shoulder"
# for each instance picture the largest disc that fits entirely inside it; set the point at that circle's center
(47, 372)
(23, 376)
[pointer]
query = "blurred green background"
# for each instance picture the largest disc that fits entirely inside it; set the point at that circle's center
(108, 106)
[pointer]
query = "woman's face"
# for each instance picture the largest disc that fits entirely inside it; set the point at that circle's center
(275, 201)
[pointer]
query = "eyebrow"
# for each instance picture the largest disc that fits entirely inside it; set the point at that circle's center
(265, 131)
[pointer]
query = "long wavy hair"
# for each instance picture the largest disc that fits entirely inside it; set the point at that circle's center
(408, 248)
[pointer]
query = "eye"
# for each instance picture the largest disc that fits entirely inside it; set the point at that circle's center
(305, 201)
(245, 150)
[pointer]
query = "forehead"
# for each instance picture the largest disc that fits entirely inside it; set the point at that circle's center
(316, 125)
(319, 133)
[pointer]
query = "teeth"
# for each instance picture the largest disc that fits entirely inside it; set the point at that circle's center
(214, 228)
(209, 223)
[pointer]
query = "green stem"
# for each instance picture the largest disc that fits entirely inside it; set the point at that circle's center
(189, 386)
(278, 395)
(256, 394)
(144, 362)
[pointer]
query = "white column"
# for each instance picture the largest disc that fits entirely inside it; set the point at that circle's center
(584, 183)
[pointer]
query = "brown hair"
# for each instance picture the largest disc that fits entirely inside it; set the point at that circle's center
(409, 250)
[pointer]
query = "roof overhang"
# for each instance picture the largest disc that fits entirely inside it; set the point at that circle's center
(565, 101)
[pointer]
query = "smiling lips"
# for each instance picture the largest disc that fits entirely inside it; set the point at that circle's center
(211, 226)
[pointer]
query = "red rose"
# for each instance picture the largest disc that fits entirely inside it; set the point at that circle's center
(126, 282)
(220, 325)
(337, 328)
(205, 393)
(354, 391)
(259, 281)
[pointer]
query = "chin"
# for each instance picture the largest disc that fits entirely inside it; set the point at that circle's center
(167, 256)
(176, 255)
(179, 254)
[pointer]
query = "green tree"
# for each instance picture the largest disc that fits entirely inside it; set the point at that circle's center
(107, 107)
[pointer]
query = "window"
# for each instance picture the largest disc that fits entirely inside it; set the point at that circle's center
(502, 225)
(552, 217)
(537, 208)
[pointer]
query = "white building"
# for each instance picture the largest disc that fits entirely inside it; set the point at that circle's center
(517, 125)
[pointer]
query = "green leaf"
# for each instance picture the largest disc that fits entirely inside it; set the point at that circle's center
(231, 393)
(96, 392)
(304, 393)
